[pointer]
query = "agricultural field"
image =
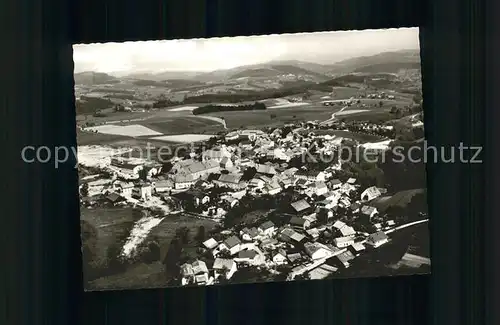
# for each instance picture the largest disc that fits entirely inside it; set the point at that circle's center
(275, 117)
(184, 138)
(132, 130)
(183, 125)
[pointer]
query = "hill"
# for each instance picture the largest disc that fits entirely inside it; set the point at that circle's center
(382, 62)
(94, 78)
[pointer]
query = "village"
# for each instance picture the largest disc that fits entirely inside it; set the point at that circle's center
(312, 219)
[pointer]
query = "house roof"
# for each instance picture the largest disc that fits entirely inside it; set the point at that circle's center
(186, 270)
(232, 242)
(297, 221)
(368, 210)
(345, 257)
(344, 239)
(371, 192)
(229, 178)
(335, 182)
(347, 231)
(338, 224)
(265, 169)
(201, 278)
(221, 263)
(210, 243)
(378, 236)
(266, 225)
(247, 253)
(199, 267)
(164, 183)
(300, 205)
(252, 232)
(351, 180)
(358, 247)
(113, 197)
(297, 237)
(294, 256)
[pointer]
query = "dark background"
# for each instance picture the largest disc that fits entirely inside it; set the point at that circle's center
(42, 262)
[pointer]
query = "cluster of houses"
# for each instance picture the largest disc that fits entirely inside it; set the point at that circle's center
(304, 244)
(307, 242)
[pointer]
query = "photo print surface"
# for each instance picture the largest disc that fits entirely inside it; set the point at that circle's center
(251, 159)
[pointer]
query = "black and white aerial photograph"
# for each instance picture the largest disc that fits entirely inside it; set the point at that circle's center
(251, 159)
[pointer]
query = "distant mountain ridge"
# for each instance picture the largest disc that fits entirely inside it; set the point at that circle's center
(388, 62)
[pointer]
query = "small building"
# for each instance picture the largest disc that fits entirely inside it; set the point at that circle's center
(269, 243)
(300, 222)
(279, 257)
(369, 211)
(267, 228)
(370, 194)
(317, 251)
(320, 188)
(344, 259)
(231, 244)
(224, 267)
(163, 186)
(335, 184)
(210, 243)
(249, 257)
(322, 271)
(187, 274)
(347, 231)
(355, 207)
(342, 242)
(377, 239)
(265, 170)
(300, 206)
(249, 234)
(142, 192)
(314, 233)
(226, 163)
(294, 257)
(351, 181)
(357, 248)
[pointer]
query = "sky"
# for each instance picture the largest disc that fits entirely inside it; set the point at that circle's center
(230, 52)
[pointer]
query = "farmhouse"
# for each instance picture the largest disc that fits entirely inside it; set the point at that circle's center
(279, 257)
(300, 206)
(224, 267)
(210, 243)
(231, 244)
(342, 242)
(369, 211)
(183, 181)
(162, 186)
(377, 239)
(317, 251)
(249, 234)
(370, 194)
(344, 259)
(267, 228)
(299, 222)
(265, 170)
(142, 192)
(249, 257)
(232, 181)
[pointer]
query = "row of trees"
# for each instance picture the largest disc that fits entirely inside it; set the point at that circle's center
(221, 108)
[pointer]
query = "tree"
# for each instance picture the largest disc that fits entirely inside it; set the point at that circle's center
(201, 234)
(143, 174)
(183, 235)
(84, 190)
(166, 167)
(322, 216)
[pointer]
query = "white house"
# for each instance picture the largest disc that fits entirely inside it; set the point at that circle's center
(125, 189)
(357, 248)
(347, 231)
(142, 192)
(279, 258)
(377, 239)
(335, 184)
(187, 274)
(342, 242)
(267, 228)
(370, 194)
(317, 251)
(224, 267)
(163, 186)
(249, 257)
(249, 234)
(369, 211)
(210, 243)
(231, 244)
(226, 163)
